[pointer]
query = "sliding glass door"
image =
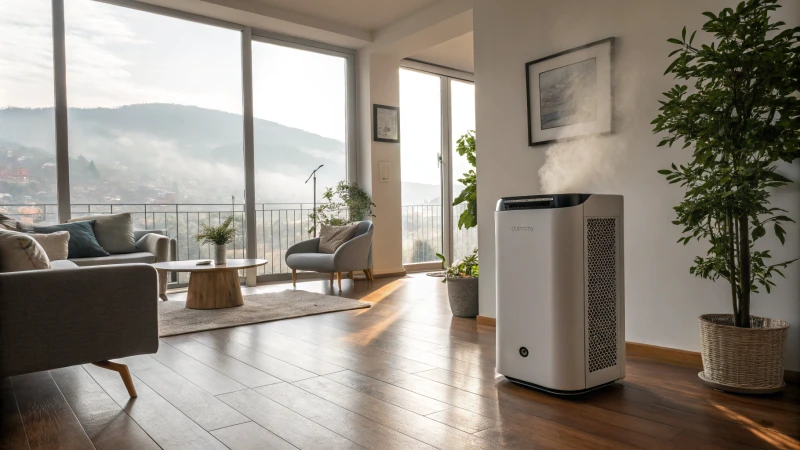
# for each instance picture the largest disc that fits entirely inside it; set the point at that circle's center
(300, 124)
(462, 119)
(28, 191)
(435, 111)
(155, 121)
(420, 158)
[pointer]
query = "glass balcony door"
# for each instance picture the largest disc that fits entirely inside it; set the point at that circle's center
(435, 111)
(421, 165)
(300, 124)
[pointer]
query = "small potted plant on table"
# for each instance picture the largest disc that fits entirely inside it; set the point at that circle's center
(219, 237)
(741, 116)
(462, 285)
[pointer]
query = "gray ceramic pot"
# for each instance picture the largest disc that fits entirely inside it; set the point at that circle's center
(220, 254)
(463, 296)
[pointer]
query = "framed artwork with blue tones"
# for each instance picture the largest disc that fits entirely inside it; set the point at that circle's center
(570, 93)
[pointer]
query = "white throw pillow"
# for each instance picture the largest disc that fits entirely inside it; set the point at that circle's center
(55, 245)
(19, 252)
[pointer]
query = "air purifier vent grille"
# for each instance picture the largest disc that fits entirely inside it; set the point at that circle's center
(601, 273)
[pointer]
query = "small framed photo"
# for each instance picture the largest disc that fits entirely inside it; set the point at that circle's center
(570, 93)
(386, 123)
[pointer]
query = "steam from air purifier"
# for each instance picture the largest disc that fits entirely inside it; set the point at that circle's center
(591, 163)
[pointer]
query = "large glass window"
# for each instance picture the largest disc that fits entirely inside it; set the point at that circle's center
(155, 123)
(299, 108)
(462, 117)
(155, 120)
(421, 143)
(27, 119)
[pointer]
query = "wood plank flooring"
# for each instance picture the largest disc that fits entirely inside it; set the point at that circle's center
(403, 374)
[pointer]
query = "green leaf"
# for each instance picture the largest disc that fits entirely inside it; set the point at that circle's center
(780, 233)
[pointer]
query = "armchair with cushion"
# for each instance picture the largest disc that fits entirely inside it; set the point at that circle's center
(353, 255)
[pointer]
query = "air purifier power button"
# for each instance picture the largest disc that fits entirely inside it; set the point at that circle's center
(523, 352)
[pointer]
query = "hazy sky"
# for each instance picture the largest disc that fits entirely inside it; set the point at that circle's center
(119, 56)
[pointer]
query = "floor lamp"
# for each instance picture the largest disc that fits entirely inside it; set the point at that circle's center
(314, 175)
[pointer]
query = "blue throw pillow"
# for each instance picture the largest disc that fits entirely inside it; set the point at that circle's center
(82, 241)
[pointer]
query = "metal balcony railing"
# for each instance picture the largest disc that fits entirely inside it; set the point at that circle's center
(278, 226)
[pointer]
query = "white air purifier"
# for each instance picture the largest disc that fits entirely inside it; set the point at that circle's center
(560, 291)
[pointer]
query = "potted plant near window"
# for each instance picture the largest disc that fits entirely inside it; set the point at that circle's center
(353, 205)
(741, 115)
(219, 237)
(462, 285)
(462, 277)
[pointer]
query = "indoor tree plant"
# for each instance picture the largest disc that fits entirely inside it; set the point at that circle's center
(348, 203)
(462, 285)
(218, 236)
(462, 276)
(736, 104)
(469, 217)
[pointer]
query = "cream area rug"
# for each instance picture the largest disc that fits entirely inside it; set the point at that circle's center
(174, 318)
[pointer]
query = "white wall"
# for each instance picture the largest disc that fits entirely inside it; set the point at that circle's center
(379, 83)
(663, 299)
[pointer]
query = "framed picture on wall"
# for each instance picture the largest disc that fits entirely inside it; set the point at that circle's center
(570, 93)
(385, 123)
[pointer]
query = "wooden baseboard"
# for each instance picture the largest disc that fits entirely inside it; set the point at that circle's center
(674, 355)
(488, 321)
(382, 273)
(663, 353)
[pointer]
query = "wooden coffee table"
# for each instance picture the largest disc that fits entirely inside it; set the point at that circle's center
(211, 286)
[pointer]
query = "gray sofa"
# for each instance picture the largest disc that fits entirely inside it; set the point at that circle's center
(71, 315)
(353, 255)
(153, 246)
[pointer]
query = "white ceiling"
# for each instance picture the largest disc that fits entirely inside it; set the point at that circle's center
(365, 14)
(456, 54)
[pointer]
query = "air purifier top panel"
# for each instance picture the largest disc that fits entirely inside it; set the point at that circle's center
(543, 201)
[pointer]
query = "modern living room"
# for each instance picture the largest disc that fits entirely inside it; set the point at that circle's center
(257, 224)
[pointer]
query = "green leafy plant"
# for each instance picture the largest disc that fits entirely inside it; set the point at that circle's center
(465, 268)
(219, 235)
(348, 203)
(742, 116)
(469, 217)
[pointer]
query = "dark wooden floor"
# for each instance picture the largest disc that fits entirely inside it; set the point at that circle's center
(403, 374)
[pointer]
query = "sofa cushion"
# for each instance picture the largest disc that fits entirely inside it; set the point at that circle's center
(12, 224)
(19, 252)
(55, 245)
(62, 264)
(114, 231)
(126, 258)
(331, 238)
(82, 242)
(317, 262)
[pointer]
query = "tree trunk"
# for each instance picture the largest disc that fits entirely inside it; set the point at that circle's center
(732, 264)
(744, 278)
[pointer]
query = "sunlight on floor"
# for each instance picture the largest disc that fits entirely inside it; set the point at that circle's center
(771, 438)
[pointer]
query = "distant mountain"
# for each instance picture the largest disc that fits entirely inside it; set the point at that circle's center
(150, 152)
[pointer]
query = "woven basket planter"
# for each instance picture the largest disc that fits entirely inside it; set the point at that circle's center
(745, 360)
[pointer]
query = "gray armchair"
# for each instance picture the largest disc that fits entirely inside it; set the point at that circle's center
(353, 255)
